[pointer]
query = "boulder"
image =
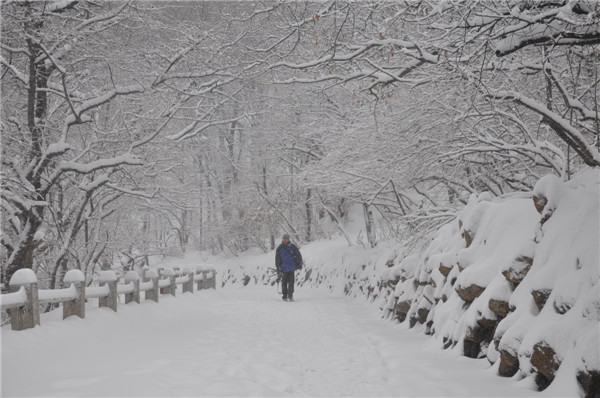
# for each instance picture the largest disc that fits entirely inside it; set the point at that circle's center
(471, 348)
(444, 270)
(390, 283)
(347, 288)
(589, 380)
(545, 363)
(562, 306)
(482, 332)
(422, 315)
(509, 364)
(488, 323)
(469, 293)
(246, 280)
(539, 202)
(540, 297)
(468, 235)
(517, 272)
(429, 329)
(496, 341)
(308, 274)
(448, 342)
(412, 321)
(370, 291)
(499, 307)
(402, 307)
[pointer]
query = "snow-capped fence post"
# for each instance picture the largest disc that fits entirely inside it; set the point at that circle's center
(23, 298)
(75, 307)
(109, 278)
(189, 285)
(153, 293)
(28, 315)
(133, 277)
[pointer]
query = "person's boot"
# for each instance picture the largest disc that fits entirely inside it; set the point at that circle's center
(290, 298)
(285, 298)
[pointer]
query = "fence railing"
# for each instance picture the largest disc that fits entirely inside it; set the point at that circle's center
(24, 298)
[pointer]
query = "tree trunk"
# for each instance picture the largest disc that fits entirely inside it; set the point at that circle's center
(23, 255)
(308, 207)
(369, 224)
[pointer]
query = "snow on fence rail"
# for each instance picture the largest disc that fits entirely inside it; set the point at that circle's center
(23, 299)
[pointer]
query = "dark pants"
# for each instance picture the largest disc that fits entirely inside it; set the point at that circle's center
(287, 284)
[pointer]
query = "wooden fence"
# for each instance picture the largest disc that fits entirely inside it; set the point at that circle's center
(24, 298)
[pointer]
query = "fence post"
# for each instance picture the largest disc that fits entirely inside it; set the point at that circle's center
(133, 277)
(27, 316)
(212, 284)
(199, 282)
(204, 279)
(161, 273)
(109, 278)
(75, 307)
(152, 294)
(189, 285)
(172, 288)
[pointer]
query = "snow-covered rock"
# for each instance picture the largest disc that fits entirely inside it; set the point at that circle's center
(520, 283)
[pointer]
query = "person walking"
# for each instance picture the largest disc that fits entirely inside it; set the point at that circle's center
(287, 260)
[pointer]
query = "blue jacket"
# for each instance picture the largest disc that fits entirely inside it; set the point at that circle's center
(288, 258)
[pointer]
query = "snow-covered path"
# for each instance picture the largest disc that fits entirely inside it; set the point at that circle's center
(238, 342)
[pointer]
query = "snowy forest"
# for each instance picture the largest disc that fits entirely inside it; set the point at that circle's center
(136, 128)
(133, 130)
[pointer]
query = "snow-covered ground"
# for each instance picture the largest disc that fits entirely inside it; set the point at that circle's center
(239, 341)
(243, 340)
